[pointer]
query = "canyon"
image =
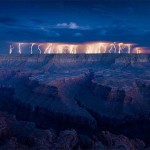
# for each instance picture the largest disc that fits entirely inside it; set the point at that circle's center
(98, 101)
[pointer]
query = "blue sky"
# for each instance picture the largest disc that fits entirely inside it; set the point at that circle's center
(75, 21)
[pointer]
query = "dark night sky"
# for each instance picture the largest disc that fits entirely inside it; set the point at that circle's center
(75, 21)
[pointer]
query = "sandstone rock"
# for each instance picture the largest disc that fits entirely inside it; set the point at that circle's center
(85, 100)
(67, 140)
(138, 144)
(112, 141)
(100, 90)
(50, 91)
(42, 139)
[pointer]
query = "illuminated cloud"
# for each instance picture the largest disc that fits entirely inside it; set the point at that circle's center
(71, 25)
(74, 48)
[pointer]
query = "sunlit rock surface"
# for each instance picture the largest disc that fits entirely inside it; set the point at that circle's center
(88, 93)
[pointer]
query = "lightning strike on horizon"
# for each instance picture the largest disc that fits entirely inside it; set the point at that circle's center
(96, 48)
(104, 46)
(50, 49)
(138, 50)
(75, 49)
(39, 48)
(113, 46)
(11, 48)
(47, 48)
(100, 47)
(129, 48)
(71, 49)
(19, 47)
(32, 47)
(121, 47)
(87, 48)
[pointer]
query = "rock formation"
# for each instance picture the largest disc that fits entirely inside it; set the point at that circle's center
(85, 93)
(21, 135)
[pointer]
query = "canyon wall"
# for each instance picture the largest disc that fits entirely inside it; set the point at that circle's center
(72, 59)
(84, 92)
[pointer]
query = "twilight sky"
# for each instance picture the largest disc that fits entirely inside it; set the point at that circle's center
(75, 21)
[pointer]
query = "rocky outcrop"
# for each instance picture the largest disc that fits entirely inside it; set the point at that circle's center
(87, 93)
(59, 60)
(132, 59)
(120, 141)
(67, 140)
(60, 106)
(24, 135)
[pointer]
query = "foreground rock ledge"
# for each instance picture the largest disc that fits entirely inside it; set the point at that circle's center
(21, 135)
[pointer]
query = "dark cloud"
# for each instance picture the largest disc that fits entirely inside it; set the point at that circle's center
(8, 20)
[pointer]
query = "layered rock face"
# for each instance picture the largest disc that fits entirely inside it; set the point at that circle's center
(88, 93)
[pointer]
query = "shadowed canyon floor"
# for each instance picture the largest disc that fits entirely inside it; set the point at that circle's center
(94, 101)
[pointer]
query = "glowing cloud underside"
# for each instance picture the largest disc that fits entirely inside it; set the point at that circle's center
(87, 48)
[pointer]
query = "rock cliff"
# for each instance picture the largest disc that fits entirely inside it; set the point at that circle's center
(85, 92)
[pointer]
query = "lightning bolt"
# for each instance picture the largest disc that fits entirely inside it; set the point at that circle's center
(120, 47)
(39, 48)
(100, 47)
(19, 47)
(61, 49)
(47, 48)
(104, 46)
(11, 48)
(138, 51)
(88, 49)
(32, 47)
(129, 48)
(75, 49)
(50, 48)
(71, 47)
(113, 45)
